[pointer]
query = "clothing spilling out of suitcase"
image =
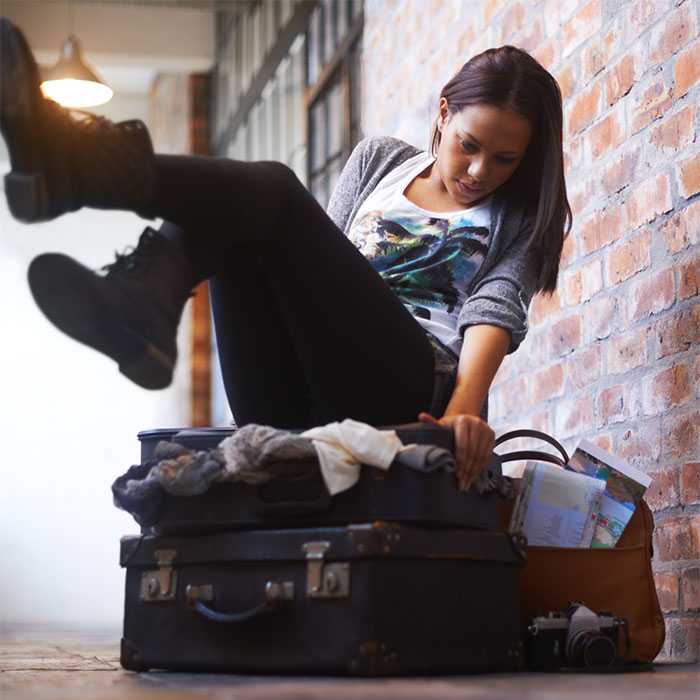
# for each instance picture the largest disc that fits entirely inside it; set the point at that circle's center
(353, 349)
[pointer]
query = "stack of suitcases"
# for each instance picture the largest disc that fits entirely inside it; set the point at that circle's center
(400, 574)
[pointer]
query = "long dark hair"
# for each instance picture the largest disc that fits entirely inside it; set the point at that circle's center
(509, 78)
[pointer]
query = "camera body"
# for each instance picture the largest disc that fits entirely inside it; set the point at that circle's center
(576, 637)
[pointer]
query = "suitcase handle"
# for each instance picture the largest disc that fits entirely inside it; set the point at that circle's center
(526, 432)
(275, 595)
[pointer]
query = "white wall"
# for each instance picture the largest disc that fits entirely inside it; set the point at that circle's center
(69, 421)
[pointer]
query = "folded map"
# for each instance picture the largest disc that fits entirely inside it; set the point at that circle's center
(624, 488)
(556, 507)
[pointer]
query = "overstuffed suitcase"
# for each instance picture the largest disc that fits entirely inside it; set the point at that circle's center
(400, 494)
(367, 599)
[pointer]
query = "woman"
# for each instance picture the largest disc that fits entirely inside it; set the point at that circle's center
(400, 301)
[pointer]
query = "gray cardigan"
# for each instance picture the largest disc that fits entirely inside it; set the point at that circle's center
(501, 291)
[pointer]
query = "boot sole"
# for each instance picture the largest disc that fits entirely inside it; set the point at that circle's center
(85, 318)
(25, 188)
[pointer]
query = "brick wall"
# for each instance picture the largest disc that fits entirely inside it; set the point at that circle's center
(613, 355)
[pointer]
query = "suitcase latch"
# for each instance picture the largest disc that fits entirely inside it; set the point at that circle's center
(161, 584)
(324, 580)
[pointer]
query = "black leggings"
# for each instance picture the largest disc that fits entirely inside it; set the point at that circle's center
(307, 331)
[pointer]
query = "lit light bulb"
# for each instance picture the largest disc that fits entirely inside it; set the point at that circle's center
(72, 83)
(70, 92)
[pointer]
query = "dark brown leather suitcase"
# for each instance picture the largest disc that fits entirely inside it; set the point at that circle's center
(368, 599)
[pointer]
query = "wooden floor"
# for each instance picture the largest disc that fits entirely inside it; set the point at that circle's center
(49, 663)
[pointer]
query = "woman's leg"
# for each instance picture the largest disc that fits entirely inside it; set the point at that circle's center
(278, 260)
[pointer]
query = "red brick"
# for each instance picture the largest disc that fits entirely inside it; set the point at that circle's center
(584, 109)
(602, 316)
(612, 404)
(620, 79)
(674, 541)
(592, 277)
(629, 258)
(663, 490)
(666, 389)
(621, 171)
(584, 24)
(648, 200)
(684, 636)
(548, 383)
(544, 307)
(565, 336)
(603, 440)
(651, 294)
(687, 70)
(542, 422)
(689, 278)
(688, 175)
(678, 332)
(671, 34)
(682, 229)
(566, 81)
(649, 104)
(491, 7)
(667, 589)
(605, 136)
(641, 447)
(674, 133)
(680, 434)
(642, 14)
(513, 395)
(556, 12)
(546, 55)
(596, 55)
(581, 197)
(572, 283)
(691, 588)
(510, 22)
(568, 251)
(625, 352)
(602, 228)
(532, 36)
(690, 483)
(573, 417)
(584, 367)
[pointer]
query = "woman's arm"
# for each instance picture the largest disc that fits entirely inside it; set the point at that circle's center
(483, 350)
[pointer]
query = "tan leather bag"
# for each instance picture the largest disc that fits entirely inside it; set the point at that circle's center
(618, 580)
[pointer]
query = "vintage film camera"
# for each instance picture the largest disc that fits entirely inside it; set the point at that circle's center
(577, 637)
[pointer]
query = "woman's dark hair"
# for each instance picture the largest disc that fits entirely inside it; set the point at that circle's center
(509, 78)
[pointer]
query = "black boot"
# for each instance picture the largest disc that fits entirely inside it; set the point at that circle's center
(60, 163)
(130, 313)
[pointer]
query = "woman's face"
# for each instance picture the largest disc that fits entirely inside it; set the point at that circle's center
(480, 147)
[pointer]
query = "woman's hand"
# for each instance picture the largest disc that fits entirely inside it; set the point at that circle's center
(474, 442)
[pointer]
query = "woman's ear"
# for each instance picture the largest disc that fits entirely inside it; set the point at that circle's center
(443, 113)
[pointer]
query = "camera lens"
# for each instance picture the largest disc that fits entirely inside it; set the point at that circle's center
(589, 648)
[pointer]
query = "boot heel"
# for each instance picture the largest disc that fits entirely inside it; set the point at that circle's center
(151, 368)
(27, 196)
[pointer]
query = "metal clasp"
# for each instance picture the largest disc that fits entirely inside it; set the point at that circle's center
(161, 584)
(325, 580)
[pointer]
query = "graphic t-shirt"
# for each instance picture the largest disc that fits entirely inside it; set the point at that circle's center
(427, 258)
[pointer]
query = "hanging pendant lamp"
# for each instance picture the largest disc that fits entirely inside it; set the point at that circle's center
(72, 82)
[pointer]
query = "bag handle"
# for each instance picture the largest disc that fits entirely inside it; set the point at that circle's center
(276, 593)
(532, 454)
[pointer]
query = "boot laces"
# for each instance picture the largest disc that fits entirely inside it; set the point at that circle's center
(133, 258)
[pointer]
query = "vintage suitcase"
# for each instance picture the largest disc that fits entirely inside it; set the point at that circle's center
(400, 494)
(368, 600)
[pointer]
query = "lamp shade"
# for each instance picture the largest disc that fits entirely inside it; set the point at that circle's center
(72, 82)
